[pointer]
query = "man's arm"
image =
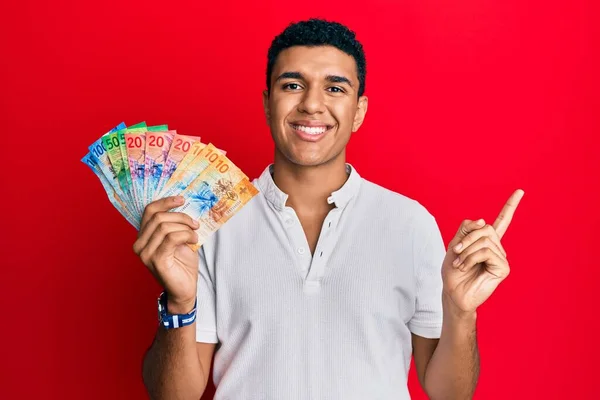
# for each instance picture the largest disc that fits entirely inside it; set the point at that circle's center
(448, 367)
(473, 267)
(176, 366)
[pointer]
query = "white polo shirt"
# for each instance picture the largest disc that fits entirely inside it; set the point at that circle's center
(333, 325)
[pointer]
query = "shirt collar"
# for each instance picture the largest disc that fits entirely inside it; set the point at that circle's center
(340, 197)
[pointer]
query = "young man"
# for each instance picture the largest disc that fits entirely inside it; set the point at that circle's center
(324, 285)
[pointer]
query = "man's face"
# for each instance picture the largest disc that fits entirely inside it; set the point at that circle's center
(313, 107)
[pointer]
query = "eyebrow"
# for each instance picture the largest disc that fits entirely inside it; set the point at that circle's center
(329, 78)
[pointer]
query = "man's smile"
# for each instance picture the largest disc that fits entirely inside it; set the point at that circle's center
(310, 130)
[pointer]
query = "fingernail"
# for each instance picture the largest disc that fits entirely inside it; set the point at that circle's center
(196, 223)
(455, 263)
(458, 247)
(480, 221)
(178, 199)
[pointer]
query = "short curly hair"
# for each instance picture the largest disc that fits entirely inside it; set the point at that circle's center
(319, 32)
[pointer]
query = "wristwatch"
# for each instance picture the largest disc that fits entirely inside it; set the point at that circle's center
(171, 321)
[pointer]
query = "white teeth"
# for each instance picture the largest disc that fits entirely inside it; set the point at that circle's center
(311, 130)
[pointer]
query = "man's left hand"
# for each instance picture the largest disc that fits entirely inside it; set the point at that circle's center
(481, 260)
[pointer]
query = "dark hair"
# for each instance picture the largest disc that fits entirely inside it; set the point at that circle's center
(319, 32)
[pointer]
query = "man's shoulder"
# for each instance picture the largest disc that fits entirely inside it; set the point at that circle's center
(397, 212)
(387, 200)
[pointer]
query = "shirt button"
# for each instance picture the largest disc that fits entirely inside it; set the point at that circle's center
(300, 250)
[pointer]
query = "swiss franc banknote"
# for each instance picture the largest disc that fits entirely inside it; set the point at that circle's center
(180, 147)
(119, 203)
(215, 195)
(100, 154)
(157, 150)
(198, 159)
(136, 160)
(115, 144)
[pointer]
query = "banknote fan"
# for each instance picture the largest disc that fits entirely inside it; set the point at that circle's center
(140, 164)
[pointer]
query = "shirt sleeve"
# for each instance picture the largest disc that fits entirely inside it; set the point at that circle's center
(429, 255)
(206, 321)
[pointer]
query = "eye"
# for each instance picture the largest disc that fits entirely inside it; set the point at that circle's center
(291, 86)
(336, 89)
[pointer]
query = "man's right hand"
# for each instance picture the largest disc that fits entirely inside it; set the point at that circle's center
(161, 245)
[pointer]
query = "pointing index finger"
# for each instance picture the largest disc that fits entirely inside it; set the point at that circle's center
(503, 221)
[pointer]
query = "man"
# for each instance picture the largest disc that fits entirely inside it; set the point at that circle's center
(324, 284)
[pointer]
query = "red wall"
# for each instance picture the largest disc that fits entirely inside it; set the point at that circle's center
(468, 102)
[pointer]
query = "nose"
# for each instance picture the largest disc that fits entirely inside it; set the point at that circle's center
(312, 102)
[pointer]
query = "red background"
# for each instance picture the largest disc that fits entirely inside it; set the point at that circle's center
(469, 101)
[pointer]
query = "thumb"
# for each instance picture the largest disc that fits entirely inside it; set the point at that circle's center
(466, 227)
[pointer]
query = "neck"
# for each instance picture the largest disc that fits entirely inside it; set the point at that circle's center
(309, 187)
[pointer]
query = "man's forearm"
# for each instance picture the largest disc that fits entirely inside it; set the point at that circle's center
(171, 368)
(453, 370)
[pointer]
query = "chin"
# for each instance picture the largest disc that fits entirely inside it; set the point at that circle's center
(309, 160)
(309, 163)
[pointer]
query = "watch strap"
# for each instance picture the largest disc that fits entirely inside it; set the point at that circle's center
(172, 321)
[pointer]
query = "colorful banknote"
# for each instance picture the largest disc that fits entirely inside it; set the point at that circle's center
(140, 164)
(181, 146)
(99, 153)
(208, 186)
(114, 144)
(224, 209)
(215, 195)
(106, 174)
(191, 166)
(116, 200)
(135, 145)
(157, 150)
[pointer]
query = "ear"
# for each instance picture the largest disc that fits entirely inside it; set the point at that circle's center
(361, 111)
(266, 106)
